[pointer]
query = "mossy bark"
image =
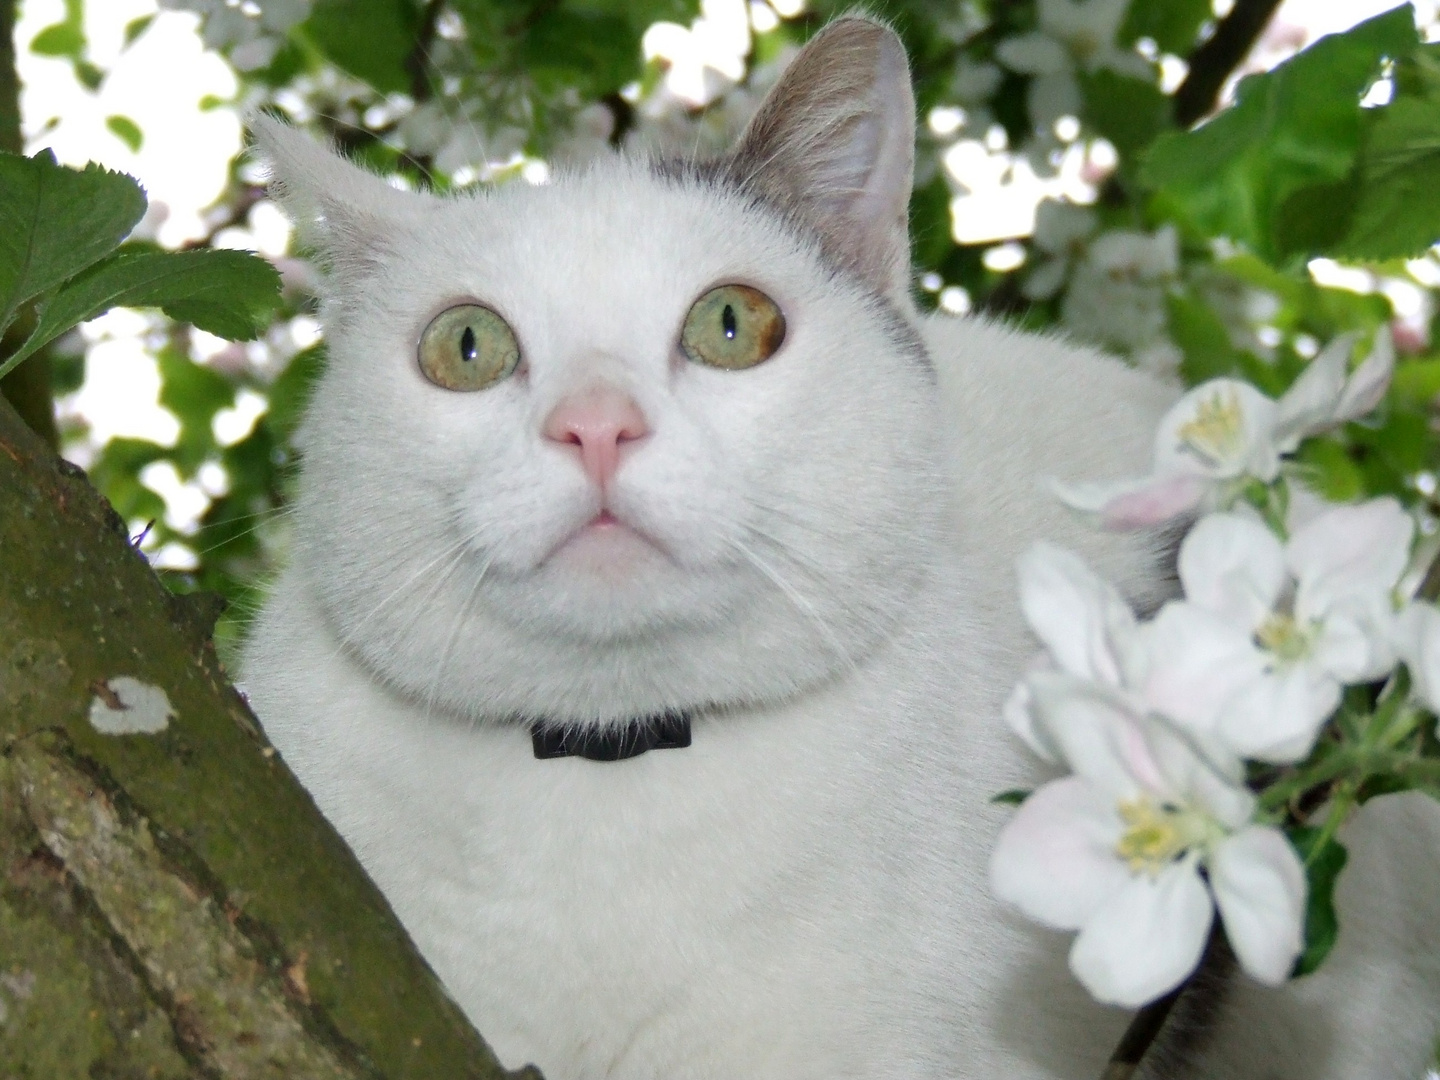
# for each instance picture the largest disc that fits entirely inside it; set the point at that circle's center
(172, 904)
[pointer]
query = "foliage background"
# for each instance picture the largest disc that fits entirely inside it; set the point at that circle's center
(1304, 211)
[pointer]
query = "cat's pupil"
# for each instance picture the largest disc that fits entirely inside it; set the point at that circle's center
(727, 322)
(467, 344)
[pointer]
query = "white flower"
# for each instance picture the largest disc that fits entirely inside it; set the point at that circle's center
(1071, 35)
(972, 83)
(1417, 640)
(1225, 432)
(1084, 623)
(1060, 232)
(1115, 852)
(1117, 294)
(1258, 651)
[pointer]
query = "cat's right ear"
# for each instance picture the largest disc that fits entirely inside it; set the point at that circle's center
(834, 144)
(341, 212)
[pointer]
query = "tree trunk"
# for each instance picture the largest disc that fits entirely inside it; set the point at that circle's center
(172, 904)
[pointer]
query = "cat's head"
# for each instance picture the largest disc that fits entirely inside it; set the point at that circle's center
(648, 436)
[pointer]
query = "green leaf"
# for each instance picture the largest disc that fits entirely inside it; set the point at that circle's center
(57, 222)
(1202, 337)
(1171, 24)
(1322, 867)
(1417, 382)
(594, 51)
(228, 293)
(930, 237)
(1013, 797)
(194, 393)
(371, 39)
(127, 131)
(61, 39)
(65, 38)
(1128, 112)
(1329, 471)
(135, 27)
(1295, 127)
(1397, 204)
(290, 391)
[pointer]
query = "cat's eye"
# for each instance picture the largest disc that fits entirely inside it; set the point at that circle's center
(468, 347)
(732, 327)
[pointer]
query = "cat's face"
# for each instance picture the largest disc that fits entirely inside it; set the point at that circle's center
(741, 533)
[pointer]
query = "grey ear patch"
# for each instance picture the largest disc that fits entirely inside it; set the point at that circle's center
(833, 145)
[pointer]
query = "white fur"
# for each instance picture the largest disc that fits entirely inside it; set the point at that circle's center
(801, 893)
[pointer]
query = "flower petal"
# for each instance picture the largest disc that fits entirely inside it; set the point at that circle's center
(1095, 730)
(1046, 279)
(1350, 553)
(1417, 639)
(1052, 95)
(1123, 62)
(1233, 566)
(1259, 884)
(1080, 618)
(1146, 937)
(1309, 404)
(1033, 54)
(1356, 646)
(1136, 504)
(1368, 383)
(1278, 716)
(1223, 429)
(1060, 225)
(1055, 859)
(1188, 663)
(1208, 777)
(1019, 715)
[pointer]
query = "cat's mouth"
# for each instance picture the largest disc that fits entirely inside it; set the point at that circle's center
(607, 544)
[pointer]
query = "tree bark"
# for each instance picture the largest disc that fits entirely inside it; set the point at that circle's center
(172, 903)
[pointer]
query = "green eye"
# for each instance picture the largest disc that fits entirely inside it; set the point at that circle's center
(468, 347)
(732, 327)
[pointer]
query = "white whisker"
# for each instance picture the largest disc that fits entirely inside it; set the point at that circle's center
(795, 597)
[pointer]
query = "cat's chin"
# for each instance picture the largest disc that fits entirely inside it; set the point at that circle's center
(607, 550)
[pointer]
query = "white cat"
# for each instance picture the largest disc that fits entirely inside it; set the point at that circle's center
(673, 440)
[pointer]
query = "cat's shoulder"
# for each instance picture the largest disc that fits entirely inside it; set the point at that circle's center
(1024, 408)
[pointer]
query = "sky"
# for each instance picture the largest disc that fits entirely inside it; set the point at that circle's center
(170, 85)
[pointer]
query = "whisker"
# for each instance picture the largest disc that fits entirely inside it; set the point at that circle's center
(798, 600)
(454, 635)
(455, 551)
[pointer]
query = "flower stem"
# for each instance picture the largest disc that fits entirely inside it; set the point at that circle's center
(1342, 802)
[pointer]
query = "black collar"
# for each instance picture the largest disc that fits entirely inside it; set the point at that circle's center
(667, 731)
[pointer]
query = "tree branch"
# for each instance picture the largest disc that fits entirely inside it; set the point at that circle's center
(172, 902)
(422, 87)
(1214, 59)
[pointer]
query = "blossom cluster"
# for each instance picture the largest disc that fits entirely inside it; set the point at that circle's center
(1162, 723)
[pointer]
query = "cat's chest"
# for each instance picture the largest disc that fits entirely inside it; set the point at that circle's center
(609, 900)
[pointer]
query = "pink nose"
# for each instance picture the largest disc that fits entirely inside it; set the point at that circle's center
(597, 420)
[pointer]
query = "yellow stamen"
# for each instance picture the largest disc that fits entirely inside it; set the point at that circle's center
(1285, 637)
(1217, 432)
(1157, 834)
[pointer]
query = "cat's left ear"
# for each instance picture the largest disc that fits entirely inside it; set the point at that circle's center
(344, 213)
(834, 142)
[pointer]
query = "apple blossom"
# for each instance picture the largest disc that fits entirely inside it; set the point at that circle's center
(1116, 851)
(1117, 295)
(1070, 35)
(1268, 634)
(1225, 433)
(1084, 623)
(1417, 640)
